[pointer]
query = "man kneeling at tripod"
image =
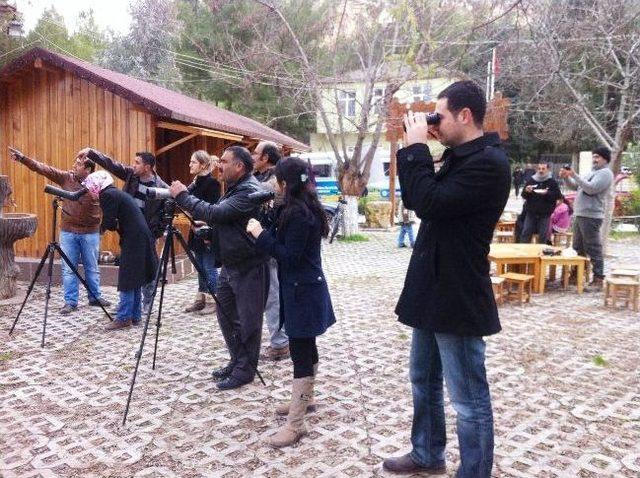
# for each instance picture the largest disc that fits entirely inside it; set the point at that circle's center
(242, 284)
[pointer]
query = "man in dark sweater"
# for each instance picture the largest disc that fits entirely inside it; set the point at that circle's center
(79, 230)
(541, 192)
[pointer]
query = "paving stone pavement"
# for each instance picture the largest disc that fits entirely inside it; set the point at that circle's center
(557, 413)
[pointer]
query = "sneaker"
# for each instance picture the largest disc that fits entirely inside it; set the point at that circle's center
(100, 302)
(67, 309)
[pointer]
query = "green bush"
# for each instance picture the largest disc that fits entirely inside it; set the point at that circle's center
(631, 206)
(354, 238)
(362, 204)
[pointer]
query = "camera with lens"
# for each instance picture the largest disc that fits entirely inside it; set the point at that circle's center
(566, 167)
(204, 233)
(158, 193)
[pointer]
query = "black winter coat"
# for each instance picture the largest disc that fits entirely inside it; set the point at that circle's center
(205, 188)
(138, 258)
(153, 208)
(447, 288)
(305, 303)
(232, 245)
(541, 204)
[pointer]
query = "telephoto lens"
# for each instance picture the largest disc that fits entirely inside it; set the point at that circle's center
(158, 193)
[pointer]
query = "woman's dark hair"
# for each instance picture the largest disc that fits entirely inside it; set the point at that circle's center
(299, 193)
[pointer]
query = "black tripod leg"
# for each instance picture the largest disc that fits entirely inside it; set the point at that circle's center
(198, 267)
(77, 274)
(169, 241)
(48, 293)
(33, 281)
(163, 264)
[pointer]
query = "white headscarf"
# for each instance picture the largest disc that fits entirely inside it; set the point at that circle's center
(97, 181)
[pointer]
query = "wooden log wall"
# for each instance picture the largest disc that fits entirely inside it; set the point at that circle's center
(50, 114)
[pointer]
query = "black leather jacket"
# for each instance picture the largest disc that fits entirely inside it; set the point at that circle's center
(232, 245)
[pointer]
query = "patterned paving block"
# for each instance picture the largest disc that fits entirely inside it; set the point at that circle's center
(557, 412)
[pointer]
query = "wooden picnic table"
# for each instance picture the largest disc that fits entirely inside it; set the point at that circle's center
(506, 226)
(519, 254)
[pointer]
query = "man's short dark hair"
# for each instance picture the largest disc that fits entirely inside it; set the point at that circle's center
(603, 152)
(147, 158)
(466, 94)
(90, 165)
(242, 154)
(272, 153)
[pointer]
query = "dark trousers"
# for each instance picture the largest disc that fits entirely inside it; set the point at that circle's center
(535, 224)
(516, 186)
(587, 241)
(242, 296)
(304, 354)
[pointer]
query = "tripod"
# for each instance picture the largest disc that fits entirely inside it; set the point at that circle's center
(49, 253)
(168, 252)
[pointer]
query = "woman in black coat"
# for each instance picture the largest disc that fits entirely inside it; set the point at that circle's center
(206, 188)
(138, 257)
(305, 305)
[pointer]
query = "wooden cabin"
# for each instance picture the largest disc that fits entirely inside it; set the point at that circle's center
(52, 105)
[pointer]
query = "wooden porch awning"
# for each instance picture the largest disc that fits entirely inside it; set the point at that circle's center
(192, 132)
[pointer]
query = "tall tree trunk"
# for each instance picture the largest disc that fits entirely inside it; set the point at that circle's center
(351, 184)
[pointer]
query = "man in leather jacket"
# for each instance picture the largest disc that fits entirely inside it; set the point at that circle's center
(242, 284)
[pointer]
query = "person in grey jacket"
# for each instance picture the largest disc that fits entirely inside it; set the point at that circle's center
(588, 208)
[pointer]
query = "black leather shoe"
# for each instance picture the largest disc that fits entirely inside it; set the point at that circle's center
(231, 382)
(222, 372)
(406, 466)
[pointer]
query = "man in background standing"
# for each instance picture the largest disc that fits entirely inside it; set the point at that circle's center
(588, 210)
(265, 157)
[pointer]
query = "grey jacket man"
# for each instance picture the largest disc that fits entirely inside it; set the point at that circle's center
(593, 188)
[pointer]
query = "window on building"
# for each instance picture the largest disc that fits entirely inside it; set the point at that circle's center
(347, 103)
(377, 99)
(422, 92)
(386, 165)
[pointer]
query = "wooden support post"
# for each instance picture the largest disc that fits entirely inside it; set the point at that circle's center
(392, 179)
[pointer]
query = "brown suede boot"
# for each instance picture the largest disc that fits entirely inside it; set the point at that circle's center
(283, 408)
(294, 429)
(198, 304)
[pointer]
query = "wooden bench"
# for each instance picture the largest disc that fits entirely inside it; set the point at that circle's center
(497, 284)
(518, 286)
(505, 237)
(633, 274)
(567, 264)
(621, 288)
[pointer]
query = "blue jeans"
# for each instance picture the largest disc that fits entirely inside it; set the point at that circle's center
(461, 361)
(208, 280)
(76, 246)
(405, 229)
(130, 306)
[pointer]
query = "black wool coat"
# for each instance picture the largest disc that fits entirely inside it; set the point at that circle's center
(206, 188)
(447, 288)
(138, 258)
(305, 304)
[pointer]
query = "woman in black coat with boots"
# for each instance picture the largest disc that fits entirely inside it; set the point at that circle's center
(305, 305)
(138, 257)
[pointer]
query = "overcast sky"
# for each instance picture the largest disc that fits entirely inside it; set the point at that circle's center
(112, 14)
